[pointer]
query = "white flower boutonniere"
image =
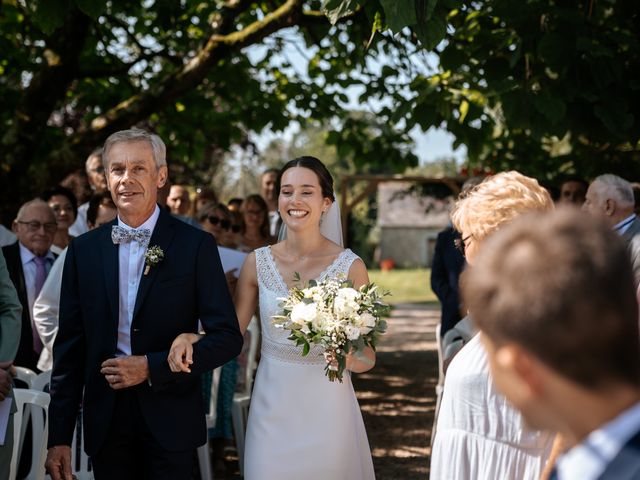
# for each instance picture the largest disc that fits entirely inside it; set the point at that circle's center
(152, 257)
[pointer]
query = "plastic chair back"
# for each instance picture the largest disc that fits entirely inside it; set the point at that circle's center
(27, 403)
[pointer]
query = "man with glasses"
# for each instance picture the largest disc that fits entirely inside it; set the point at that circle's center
(29, 261)
(98, 183)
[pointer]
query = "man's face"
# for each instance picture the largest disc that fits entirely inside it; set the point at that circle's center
(268, 186)
(36, 228)
(595, 203)
(106, 213)
(134, 180)
(95, 173)
(572, 192)
(178, 200)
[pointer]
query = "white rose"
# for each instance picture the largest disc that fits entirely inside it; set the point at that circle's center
(303, 312)
(345, 303)
(353, 333)
(366, 321)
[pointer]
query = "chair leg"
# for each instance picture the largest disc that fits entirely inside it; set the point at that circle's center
(204, 462)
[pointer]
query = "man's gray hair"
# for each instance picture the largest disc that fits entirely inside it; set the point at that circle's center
(136, 135)
(32, 203)
(617, 188)
(96, 153)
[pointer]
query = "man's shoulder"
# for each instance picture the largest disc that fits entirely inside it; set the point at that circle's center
(626, 465)
(11, 251)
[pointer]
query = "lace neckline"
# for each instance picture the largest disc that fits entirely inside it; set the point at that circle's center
(280, 279)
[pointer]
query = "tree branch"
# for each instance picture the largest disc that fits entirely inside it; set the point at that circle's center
(218, 46)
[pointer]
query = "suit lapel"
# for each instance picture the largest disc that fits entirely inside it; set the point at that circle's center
(110, 265)
(162, 236)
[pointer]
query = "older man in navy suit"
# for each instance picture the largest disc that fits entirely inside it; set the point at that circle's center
(559, 320)
(129, 288)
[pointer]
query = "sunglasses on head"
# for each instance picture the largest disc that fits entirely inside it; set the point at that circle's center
(224, 223)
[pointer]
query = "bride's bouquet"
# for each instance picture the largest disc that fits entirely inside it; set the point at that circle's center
(336, 316)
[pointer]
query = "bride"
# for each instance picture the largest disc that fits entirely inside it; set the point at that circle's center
(300, 424)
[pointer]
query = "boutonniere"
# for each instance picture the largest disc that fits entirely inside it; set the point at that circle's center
(152, 257)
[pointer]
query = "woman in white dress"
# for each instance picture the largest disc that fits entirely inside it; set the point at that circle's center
(301, 425)
(479, 435)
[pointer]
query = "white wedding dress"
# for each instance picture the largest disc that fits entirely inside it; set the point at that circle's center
(301, 426)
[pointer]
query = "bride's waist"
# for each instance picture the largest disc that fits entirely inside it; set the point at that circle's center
(290, 353)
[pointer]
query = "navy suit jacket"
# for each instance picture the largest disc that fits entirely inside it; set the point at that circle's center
(447, 264)
(186, 286)
(625, 465)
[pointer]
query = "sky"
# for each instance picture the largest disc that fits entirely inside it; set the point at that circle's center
(429, 146)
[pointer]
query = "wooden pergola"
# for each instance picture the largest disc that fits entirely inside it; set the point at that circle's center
(372, 181)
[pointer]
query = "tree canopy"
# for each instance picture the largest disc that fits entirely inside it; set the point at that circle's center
(545, 87)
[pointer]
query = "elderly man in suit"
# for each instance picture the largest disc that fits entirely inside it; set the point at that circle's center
(128, 289)
(10, 318)
(29, 261)
(559, 321)
(611, 197)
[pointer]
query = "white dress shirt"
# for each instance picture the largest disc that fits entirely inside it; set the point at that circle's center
(589, 459)
(80, 226)
(131, 263)
(29, 270)
(46, 310)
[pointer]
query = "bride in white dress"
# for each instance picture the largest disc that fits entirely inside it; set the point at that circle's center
(301, 425)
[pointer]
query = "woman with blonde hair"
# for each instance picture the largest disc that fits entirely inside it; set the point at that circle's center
(479, 435)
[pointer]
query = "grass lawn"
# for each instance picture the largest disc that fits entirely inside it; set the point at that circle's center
(406, 285)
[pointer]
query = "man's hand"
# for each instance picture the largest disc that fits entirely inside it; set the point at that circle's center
(123, 372)
(6, 379)
(58, 462)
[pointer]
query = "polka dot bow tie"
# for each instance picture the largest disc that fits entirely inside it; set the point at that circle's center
(124, 235)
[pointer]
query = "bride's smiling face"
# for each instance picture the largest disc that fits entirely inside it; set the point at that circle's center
(300, 201)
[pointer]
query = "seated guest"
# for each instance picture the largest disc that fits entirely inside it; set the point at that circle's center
(98, 184)
(256, 227)
(204, 196)
(610, 198)
(573, 190)
(559, 322)
(101, 210)
(216, 219)
(29, 260)
(65, 207)
(479, 435)
(235, 204)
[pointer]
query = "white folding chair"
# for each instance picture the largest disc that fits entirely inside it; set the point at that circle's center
(42, 381)
(241, 400)
(80, 462)
(25, 375)
(204, 457)
(27, 400)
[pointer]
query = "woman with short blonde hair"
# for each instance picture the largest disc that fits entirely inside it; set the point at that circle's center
(479, 435)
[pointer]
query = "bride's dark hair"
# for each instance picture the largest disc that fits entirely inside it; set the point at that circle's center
(317, 167)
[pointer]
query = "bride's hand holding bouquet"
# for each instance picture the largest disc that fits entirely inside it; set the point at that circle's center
(345, 321)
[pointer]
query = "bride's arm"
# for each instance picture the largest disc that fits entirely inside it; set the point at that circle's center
(246, 298)
(359, 276)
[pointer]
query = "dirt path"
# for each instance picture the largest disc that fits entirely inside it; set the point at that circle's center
(397, 398)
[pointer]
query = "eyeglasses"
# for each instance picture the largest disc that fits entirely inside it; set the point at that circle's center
(97, 170)
(224, 223)
(34, 226)
(460, 243)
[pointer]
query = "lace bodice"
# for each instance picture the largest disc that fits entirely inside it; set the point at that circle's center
(272, 288)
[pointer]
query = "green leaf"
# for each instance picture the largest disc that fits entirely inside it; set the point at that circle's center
(399, 14)
(550, 106)
(91, 8)
(336, 9)
(431, 33)
(51, 14)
